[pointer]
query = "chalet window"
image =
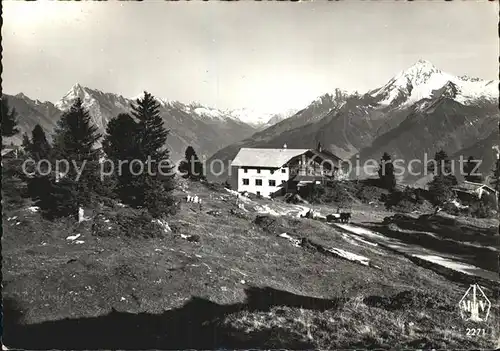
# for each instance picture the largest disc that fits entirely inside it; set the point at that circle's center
(258, 193)
(258, 182)
(272, 182)
(283, 181)
(246, 181)
(283, 170)
(258, 170)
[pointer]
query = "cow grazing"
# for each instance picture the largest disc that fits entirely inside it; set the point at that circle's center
(345, 217)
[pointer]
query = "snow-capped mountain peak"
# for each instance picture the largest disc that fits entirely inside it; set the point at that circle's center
(423, 80)
(76, 91)
(419, 73)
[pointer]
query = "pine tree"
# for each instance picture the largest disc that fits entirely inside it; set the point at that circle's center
(75, 135)
(26, 143)
(9, 119)
(386, 172)
(442, 167)
(152, 133)
(440, 190)
(469, 167)
(40, 147)
(144, 140)
(121, 140)
(121, 145)
(157, 199)
(192, 167)
(441, 185)
(74, 141)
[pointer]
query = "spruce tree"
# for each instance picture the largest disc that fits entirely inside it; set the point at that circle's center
(152, 133)
(75, 135)
(441, 185)
(74, 140)
(192, 167)
(148, 144)
(386, 172)
(121, 139)
(121, 145)
(40, 147)
(469, 167)
(26, 143)
(9, 119)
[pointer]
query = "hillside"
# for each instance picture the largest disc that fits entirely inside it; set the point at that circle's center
(484, 149)
(239, 285)
(30, 113)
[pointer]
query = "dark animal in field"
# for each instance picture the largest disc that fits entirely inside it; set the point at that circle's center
(332, 218)
(345, 217)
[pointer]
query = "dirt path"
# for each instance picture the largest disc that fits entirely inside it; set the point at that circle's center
(444, 263)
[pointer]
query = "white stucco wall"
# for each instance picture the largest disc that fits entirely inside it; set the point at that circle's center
(265, 175)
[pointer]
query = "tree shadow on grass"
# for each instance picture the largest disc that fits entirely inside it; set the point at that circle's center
(199, 324)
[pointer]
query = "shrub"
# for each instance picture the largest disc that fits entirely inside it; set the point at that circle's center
(271, 224)
(336, 193)
(483, 208)
(58, 199)
(127, 222)
(402, 201)
(14, 190)
(138, 225)
(369, 194)
(451, 209)
(333, 192)
(440, 189)
(158, 201)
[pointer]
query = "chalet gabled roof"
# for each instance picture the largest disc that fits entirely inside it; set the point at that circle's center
(467, 186)
(272, 158)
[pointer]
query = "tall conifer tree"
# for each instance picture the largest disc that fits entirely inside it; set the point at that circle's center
(9, 119)
(39, 147)
(386, 172)
(191, 166)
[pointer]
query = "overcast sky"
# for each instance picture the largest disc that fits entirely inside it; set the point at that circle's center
(268, 56)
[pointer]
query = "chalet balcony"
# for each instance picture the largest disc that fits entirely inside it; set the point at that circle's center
(310, 171)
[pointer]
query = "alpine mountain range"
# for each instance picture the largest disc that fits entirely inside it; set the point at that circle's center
(420, 110)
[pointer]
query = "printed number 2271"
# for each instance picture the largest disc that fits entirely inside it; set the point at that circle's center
(476, 331)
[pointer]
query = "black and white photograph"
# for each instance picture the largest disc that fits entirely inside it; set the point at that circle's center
(234, 175)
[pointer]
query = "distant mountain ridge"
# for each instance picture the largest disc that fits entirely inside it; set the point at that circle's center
(205, 133)
(421, 109)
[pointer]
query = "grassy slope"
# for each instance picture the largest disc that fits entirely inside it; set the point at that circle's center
(240, 286)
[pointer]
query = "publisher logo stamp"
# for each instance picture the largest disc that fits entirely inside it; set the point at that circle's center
(474, 305)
